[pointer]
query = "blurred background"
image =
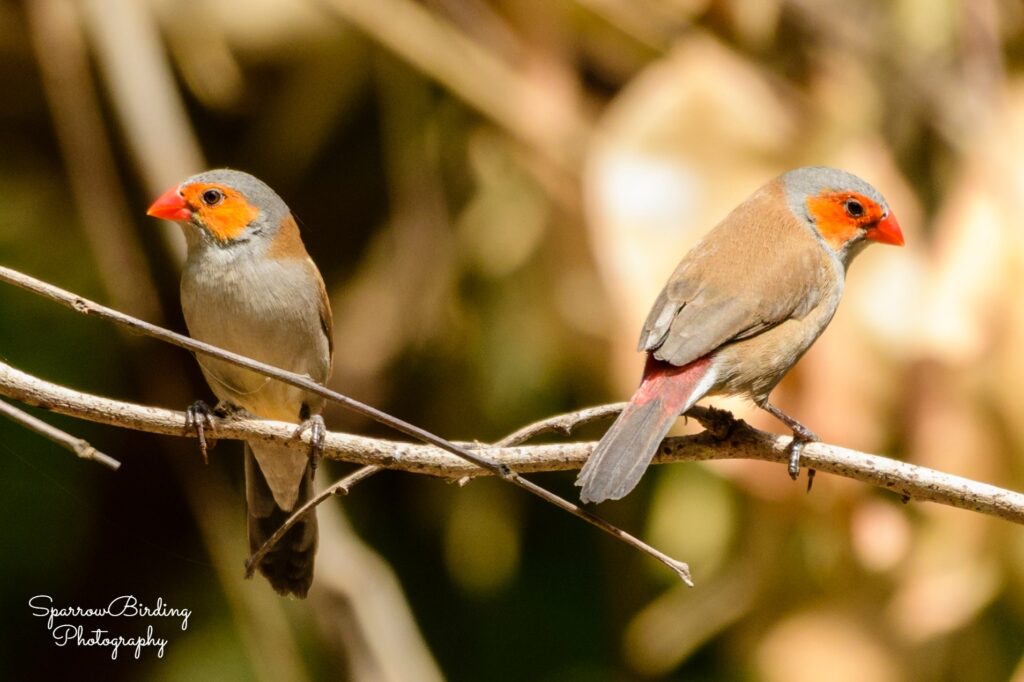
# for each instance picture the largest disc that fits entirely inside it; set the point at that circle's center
(495, 192)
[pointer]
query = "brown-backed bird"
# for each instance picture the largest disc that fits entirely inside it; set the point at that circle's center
(250, 287)
(740, 309)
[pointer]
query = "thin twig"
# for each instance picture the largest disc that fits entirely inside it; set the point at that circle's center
(564, 423)
(340, 487)
(680, 568)
(501, 470)
(76, 445)
(87, 307)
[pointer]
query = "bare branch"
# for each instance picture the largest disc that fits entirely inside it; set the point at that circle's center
(739, 442)
(565, 423)
(87, 307)
(718, 422)
(725, 437)
(76, 445)
(340, 487)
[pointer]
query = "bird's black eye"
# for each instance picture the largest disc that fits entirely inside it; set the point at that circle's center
(854, 208)
(212, 197)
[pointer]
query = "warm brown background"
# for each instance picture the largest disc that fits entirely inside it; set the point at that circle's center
(495, 192)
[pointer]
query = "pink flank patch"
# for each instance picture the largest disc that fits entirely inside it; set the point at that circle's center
(671, 384)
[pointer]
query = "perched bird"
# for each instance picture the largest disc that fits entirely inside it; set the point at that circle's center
(249, 286)
(740, 309)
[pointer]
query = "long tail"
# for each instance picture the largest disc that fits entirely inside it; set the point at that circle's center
(289, 565)
(624, 453)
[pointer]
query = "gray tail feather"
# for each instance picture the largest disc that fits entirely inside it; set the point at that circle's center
(625, 452)
(289, 564)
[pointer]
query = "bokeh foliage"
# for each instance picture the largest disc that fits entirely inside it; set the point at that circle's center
(494, 192)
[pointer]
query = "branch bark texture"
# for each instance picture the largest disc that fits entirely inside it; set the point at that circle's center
(726, 439)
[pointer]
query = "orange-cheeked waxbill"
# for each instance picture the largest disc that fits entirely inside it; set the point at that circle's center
(249, 286)
(740, 309)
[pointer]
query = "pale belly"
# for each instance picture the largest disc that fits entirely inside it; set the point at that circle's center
(752, 367)
(253, 392)
(269, 314)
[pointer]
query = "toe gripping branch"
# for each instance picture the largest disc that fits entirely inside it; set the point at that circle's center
(801, 436)
(199, 417)
(317, 437)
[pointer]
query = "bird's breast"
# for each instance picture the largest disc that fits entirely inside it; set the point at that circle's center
(266, 310)
(753, 366)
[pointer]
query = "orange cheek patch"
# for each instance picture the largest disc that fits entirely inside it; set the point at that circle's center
(833, 222)
(228, 219)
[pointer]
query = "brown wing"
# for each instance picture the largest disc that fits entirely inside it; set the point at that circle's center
(326, 319)
(288, 244)
(756, 269)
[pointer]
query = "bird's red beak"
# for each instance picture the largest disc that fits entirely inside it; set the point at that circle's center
(170, 206)
(887, 231)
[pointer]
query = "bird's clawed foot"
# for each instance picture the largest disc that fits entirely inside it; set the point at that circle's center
(317, 436)
(199, 417)
(801, 436)
(795, 449)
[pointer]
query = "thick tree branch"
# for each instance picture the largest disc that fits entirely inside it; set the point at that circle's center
(725, 440)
